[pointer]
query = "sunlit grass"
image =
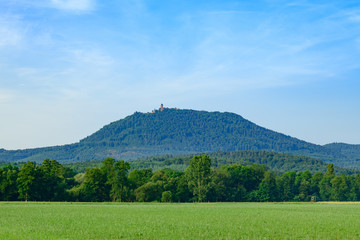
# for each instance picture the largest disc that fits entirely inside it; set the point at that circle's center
(179, 221)
(342, 203)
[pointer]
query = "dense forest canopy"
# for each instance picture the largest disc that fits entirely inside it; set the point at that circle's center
(115, 181)
(175, 131)
(276, 162)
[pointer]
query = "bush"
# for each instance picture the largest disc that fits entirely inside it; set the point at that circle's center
(166, 196)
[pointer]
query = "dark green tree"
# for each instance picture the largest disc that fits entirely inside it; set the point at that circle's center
(120, 187)
(138, 177)
(50, 181)
(325, 183)
(220, 189)
(94, 188)
(340, 189)
(354, 187)
(315, 184)
(109, 172)
(148, 192)
(183, 193)
(302, 183)
(286, 186)
(243, 180)
(8, 184)
(25, 180)
(330, 172)
(267, 188)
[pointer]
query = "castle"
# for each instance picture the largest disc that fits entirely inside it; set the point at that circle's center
(160, 109)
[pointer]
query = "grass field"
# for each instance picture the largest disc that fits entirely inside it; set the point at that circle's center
(179, 221)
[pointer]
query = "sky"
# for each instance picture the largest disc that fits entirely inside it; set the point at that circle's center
(69, 67)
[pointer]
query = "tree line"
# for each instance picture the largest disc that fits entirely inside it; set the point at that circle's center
(113, 181)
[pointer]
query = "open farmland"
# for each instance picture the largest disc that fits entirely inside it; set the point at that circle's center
(20, 220)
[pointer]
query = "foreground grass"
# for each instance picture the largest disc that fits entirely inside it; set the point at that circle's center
(179, 221)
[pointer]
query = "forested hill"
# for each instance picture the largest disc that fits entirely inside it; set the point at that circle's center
(351, 151)
(184, 131)
(174, 131)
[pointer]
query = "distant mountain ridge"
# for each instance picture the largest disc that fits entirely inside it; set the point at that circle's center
(175, 131)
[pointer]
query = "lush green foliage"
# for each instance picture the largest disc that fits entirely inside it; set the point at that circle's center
(179, 221)
(174, 131)
(47, 182)
(112, 181)
(198, 176)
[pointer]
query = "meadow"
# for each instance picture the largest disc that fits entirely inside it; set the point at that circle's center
(20, 220)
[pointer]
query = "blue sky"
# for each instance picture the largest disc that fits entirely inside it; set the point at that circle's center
(68, 67)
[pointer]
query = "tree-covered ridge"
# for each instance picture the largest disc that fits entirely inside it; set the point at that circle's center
(351, 151)
(276, 162)
(115, 181)
(175, 131)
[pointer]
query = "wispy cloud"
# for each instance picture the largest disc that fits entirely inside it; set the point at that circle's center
(352, 15)
(10, 35)
(75, 76)
(93, 57)
(74, 5)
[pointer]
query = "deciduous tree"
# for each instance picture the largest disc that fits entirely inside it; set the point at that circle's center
(198, 174)
(25, 180)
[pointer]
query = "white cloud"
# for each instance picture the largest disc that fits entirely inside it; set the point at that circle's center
(9, 37)
(74, 5)
(354, 16)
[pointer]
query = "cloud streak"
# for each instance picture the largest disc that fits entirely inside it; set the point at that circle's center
(10, 35)
(78, 6)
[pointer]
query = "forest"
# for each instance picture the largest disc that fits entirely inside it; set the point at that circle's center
(114, 181)
(276, 162)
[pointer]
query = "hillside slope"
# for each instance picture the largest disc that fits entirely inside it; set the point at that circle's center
(174, 131)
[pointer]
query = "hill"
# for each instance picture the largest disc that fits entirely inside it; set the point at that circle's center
(175, 131)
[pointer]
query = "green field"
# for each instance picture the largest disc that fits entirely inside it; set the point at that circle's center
(179, 221)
